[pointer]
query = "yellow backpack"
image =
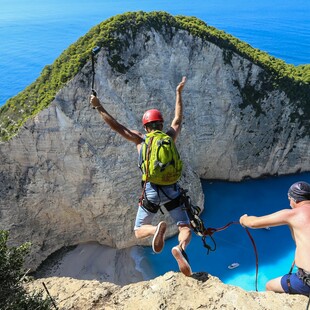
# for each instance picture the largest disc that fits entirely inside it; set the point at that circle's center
(160, 161)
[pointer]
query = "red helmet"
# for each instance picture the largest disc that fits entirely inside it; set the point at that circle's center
(152, 116)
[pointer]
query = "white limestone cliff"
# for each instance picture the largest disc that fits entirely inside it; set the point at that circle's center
(67, 178)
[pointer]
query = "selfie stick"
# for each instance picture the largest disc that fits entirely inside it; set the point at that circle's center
(94, 52)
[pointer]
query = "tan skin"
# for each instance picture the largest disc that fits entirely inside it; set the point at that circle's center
(298, 220)
(137, 138)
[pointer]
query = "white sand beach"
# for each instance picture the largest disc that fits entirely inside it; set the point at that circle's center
(92, 261)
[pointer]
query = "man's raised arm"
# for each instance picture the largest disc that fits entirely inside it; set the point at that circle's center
(178, 116)
(131, 135)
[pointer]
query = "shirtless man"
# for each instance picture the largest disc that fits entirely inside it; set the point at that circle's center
(298, 220)
(157, 194)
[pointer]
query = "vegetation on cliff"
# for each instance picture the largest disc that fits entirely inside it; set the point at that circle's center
(294, 80)
(12, 293)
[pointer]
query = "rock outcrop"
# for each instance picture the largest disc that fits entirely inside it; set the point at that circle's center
(171, 291)
(67, 178)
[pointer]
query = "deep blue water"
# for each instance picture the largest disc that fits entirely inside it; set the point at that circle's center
(35, 32)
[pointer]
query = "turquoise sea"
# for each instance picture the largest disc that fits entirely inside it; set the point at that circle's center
(34, 33)
(226, 202)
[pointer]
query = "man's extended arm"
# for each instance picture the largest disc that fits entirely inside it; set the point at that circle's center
(131, 135)
(281, 217)
(178, 116)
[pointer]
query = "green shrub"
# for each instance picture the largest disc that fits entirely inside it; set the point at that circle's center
(13, 295)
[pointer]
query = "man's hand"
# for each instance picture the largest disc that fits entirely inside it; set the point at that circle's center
(181, 84)
(94, 101)
(242, 220)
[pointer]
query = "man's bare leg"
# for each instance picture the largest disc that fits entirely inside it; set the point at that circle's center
(179, 251)
(275, 285)
(158, 231)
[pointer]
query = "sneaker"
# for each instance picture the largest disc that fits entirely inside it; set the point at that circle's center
(159, 237)
(182, 260)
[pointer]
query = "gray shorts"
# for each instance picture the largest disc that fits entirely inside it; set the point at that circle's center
(161, 196)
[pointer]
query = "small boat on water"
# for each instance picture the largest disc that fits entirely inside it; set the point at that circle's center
(233, 265)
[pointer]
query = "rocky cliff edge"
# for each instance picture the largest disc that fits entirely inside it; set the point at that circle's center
(170, 291)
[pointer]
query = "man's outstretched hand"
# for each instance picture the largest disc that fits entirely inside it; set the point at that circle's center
(94, 101)
(181, 84)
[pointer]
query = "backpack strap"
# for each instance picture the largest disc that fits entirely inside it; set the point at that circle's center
(146, 172)
(140, 158)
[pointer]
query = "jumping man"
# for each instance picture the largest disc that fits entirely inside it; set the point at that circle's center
(154, 194)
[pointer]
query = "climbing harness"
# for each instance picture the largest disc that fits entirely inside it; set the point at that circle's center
(197, 225)
(94, 52)
(303, 276)
(288, 280)
(193, 213)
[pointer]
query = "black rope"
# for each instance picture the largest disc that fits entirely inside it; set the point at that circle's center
(51, 298)
(199, 228)
(209, 232)
(207, 246)
(256, 256)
